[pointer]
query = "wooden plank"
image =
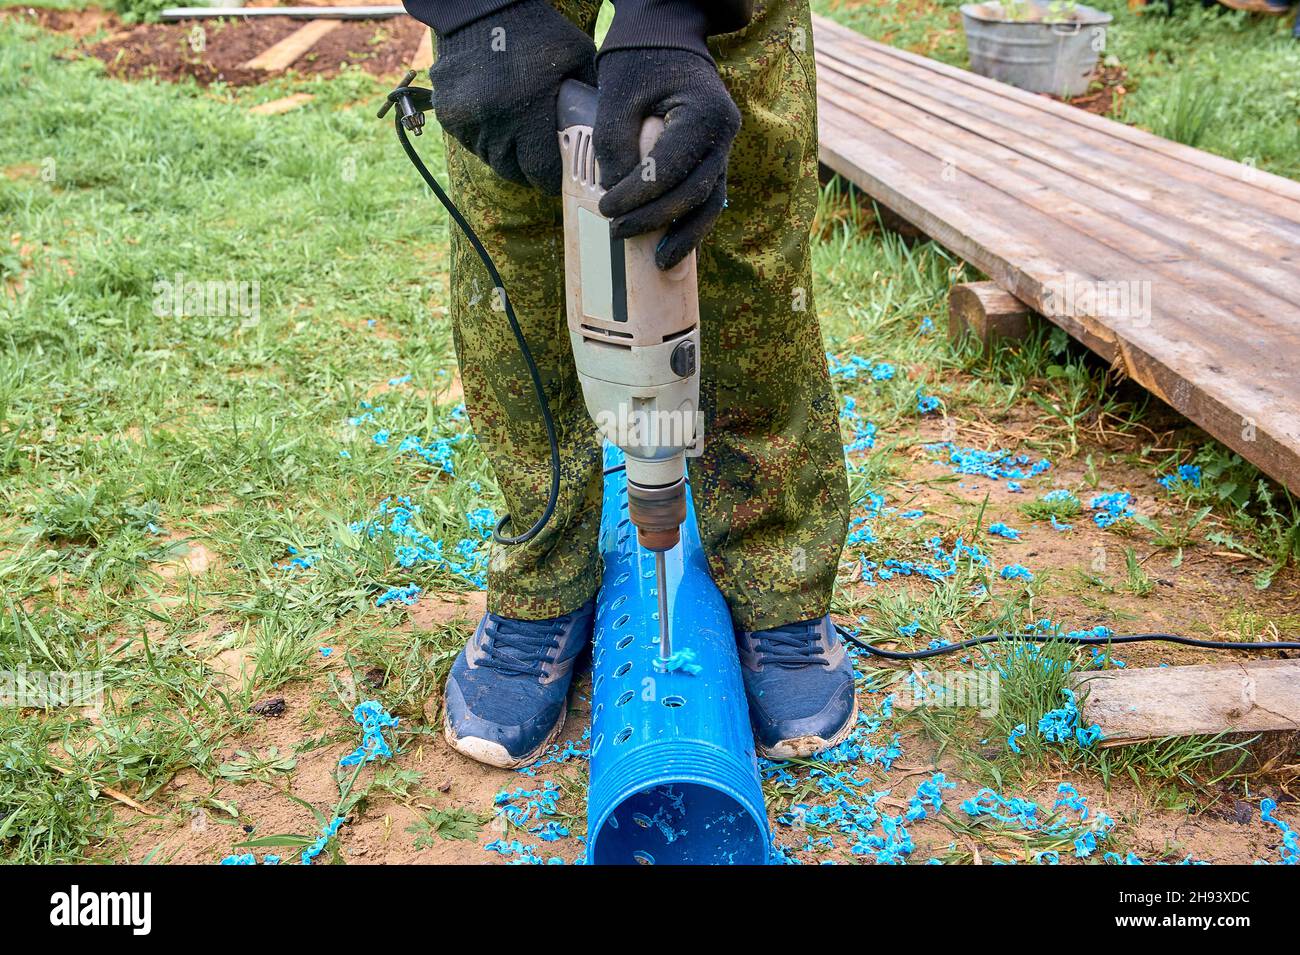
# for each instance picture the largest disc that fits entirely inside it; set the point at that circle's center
(1121, 173)
(1250, 696)
(827, 32)
(300, 13)
(1128, 162)
(423, 58)
(1027, 254)
(281, 56)
(1233, 274)
(984, 310)
(1150, 256)
(282, 105)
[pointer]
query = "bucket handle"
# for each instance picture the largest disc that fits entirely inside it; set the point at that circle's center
(1071, 27)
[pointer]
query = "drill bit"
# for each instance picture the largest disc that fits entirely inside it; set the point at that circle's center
(661, 578)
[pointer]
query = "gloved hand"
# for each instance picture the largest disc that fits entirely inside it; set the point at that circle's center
(688, 188)
(495, 83)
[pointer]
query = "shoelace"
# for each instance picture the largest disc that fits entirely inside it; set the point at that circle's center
(521, 647)
(790, 647)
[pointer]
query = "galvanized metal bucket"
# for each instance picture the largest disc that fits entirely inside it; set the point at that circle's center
(1042, 57)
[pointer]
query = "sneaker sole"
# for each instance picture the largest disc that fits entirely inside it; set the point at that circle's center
(494, 754)
(804, 746)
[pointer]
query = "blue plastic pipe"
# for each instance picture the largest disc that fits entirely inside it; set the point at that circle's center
(673, 774)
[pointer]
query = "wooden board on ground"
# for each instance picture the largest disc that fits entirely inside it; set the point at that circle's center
(1247, 696)
(1180, 268)
(281, 56)
(282, 105)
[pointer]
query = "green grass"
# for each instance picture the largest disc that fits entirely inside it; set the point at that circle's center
(129, 434)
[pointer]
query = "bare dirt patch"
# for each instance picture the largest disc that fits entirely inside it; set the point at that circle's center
(215, 51)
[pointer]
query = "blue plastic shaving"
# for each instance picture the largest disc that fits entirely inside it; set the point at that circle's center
(1290, 848)
(682, 661)
(1016, 572)
(926, 327)
(1047, 857)
(909, 629)
(1062, 725)
(330, 830)
(1016, 733)
(925, 404)
(374, 719)
(864, 432)
(1057, 525)
(246, 859)
(1002, 530)
(1067, 797)
(928, 799)
(996, 465)
(1111, 508)
(856, 366)
(326, 651)
(409, 595)
(1189, 474)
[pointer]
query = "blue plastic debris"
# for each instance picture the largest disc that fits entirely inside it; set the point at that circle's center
(1002, 530)
(928, 799)
(1186, 474)
(373, 719)
(409, 595)
(682, 661)
(1017, 732)
(1111, 508)
(996, 465)
(925, 404)
(1016, 572)
(1062, 724)
(1290, 848)
(856, 366)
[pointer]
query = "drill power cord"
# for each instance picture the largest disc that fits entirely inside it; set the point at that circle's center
(412, 103)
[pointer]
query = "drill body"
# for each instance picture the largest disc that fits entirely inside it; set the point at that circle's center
(635, 333)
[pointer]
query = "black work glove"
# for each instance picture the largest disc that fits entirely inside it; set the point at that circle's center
(686, 186)
(495, 83)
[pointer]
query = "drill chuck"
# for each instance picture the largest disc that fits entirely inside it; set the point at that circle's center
(657, 513)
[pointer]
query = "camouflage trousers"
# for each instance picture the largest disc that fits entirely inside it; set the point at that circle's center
(770, 488)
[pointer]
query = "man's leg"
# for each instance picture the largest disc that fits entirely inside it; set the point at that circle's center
(770, 487)
(521, 228)
(507, 691)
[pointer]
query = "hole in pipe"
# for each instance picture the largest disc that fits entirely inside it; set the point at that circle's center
(625, 699)
(643, 858)
(624, 735)
(622, 621)
(622, 670)
(625, 642)
(672, 702)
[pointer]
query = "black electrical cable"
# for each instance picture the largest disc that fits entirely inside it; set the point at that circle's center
(542, 404)
(1061, 638)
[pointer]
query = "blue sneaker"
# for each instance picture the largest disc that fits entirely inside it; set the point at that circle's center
(508, 689)
(799, 682)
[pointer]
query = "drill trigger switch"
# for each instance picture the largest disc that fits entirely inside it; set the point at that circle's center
(682, 360)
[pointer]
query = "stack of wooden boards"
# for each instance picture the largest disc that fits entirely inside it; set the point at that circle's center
(1180, 267)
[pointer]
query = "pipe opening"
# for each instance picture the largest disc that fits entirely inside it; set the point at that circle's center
(679, 824)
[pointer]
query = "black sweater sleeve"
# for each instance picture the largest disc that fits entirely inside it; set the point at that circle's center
(682, 24)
